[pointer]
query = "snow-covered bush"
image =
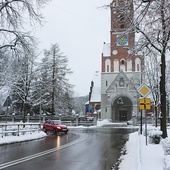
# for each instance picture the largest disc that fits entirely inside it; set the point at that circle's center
(154, 134)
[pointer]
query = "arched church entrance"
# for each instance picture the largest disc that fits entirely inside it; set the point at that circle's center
(122, 109)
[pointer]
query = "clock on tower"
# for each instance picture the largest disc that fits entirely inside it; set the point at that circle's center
(122, 40)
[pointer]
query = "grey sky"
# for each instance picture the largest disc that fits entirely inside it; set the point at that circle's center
(79, 27)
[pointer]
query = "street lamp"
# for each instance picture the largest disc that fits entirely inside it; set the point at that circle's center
(28, 115)
(13, 117)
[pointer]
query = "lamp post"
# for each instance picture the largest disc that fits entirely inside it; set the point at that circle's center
(44, 115)
(13, 117)
(77, 116)
(60, 115)
(95, 118)
(28, 116)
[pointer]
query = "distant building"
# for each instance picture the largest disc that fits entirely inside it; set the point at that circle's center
(94, 103)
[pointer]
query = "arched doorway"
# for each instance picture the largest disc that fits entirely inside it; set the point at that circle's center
(122, 109)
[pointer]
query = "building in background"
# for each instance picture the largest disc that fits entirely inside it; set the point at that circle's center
(94, 103)
(121, 70)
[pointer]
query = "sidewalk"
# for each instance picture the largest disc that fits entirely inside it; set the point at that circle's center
(140, 156)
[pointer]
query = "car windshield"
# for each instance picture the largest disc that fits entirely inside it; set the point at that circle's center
(57, 122)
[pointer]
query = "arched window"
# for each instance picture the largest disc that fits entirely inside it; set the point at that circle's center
(107, 65)
(116, 65)
(121, 82)
(122, 66)
(137, 64)
(129, 65)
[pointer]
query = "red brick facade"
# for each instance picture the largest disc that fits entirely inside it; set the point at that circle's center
(120, 22)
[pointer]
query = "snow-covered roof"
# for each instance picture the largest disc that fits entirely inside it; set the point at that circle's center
(96, 91)
(106, 49)
(96, 94)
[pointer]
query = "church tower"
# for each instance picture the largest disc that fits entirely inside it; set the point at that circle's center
(121, 69)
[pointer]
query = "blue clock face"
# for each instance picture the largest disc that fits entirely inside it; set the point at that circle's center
(122, 40)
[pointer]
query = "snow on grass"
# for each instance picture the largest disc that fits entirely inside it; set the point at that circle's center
(21, 138)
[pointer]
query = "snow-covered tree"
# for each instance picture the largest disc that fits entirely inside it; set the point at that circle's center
(53, 83)
(152, 78)
(21, 82)
(16, 16)
(152, 21)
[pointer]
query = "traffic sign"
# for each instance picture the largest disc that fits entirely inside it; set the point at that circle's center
(144, 103)
(144, 90)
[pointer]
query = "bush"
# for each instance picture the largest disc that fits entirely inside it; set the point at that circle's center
(154, 135)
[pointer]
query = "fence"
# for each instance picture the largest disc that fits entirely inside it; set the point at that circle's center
(17, 129)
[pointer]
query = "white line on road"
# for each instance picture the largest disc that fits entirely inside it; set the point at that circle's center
(27, 158)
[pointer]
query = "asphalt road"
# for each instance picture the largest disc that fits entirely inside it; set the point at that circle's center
(80, 149)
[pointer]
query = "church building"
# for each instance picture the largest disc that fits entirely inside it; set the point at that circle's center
(121, 70)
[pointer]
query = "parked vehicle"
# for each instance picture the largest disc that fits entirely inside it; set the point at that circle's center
(55, 126)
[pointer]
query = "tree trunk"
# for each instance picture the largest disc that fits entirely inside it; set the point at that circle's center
(163, 96)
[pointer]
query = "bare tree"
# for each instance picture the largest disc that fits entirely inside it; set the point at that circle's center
(15, 18)
(152, 21)
(152, 71)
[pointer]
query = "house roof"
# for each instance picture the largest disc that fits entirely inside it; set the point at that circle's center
(96, 91)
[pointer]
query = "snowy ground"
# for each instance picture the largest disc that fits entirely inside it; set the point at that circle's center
(140, 155)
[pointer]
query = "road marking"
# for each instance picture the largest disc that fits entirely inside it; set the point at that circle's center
(27, 158)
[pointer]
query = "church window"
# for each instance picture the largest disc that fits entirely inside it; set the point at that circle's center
(116, 65)
(123, 61)
(137, 64)
(121, 20)
(106, 83)
(122, 66)
(129, 65)
(107, 65)
(121, 82)
(138, 67)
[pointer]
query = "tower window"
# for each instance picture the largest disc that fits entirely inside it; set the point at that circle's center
(123, 62)
(122, 21)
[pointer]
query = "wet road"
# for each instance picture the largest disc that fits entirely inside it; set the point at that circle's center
(80, 149)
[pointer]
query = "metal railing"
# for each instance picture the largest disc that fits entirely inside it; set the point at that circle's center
(17, 129)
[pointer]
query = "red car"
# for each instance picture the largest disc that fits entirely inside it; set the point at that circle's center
(55, 126)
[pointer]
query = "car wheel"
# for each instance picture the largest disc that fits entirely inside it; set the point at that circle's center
(45, 130)
(65, 132)
(55, 132)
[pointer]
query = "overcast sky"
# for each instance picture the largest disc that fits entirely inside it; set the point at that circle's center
(79, 27)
